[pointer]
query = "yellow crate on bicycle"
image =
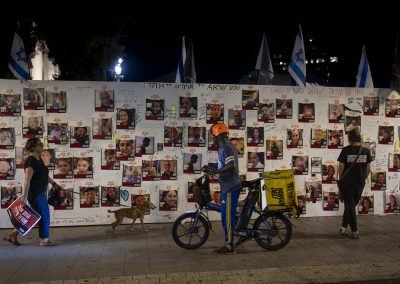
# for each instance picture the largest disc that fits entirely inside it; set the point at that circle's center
(280, 190)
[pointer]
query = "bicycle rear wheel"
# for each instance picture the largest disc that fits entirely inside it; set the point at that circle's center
(272, 231)
(189, 234)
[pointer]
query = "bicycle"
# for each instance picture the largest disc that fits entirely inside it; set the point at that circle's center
(271, 229)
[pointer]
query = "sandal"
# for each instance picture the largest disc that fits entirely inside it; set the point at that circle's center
(14, 242)
(47, 244)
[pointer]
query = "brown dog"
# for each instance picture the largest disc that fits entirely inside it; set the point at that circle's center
(143, 206)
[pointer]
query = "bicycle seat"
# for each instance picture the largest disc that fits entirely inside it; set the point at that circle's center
(251, 183)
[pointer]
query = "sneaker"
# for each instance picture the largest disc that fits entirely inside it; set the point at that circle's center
(342, 231)
(227, 249)
(354, 235)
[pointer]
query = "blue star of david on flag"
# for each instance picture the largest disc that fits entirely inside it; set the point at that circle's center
(297, 64)
(18, 62)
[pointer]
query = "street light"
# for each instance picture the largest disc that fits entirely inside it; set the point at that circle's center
(118, 70)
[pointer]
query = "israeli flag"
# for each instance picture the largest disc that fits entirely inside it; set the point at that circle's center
(18, 62)
(180, 73)
(364, 78)
(297, 65)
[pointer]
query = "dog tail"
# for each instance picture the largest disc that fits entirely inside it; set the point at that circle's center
(109, 211)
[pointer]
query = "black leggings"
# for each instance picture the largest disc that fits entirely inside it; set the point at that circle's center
(351, 197)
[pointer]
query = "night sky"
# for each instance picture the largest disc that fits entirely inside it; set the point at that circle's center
(224, 53)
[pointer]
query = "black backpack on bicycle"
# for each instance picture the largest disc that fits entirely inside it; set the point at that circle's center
(201, 191)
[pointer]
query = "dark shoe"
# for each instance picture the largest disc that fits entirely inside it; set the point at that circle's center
(226, 250)
(241, 241)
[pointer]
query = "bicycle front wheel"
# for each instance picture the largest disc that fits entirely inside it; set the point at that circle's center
(272, 231)
(188, 233)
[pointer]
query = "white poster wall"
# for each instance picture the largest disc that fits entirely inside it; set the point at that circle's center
(157, 111)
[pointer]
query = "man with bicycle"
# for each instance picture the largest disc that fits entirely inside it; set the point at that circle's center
(228, 171)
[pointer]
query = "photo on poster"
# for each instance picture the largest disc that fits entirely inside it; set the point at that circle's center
(331, 201)
(335, 139)
(67, 194)
(215, 113)
(192, 163)
(137, 200)
(144, 145)
(32, 126)
(236, 119)
(160, 147)
(104, 100)
(196, 136)
(306, 112)
(173, 136)
(20, 157)
(64, 169)
(316, 165)
(102, 128)
(7, 138)
(110, 196)
(255, 136)
(10, 105)
(371, 106)
(9, 193)
(49, 158)
(238, 142)
(301, 199)
(378, 180)
(386, 135)
(366, 205)
(250, 99)
(188, 107)
(284, 108)
(191, 191)
(294, 138)
(109, 159)
(155, 109)
(313, 190)
(125, 149)
(371, 146)
(80, 137)
(300, 165)
(33, 99)
(255, 162)
(131, 175)
(318, 138)
(336, 113)
(7, 168)
(83, 167)
(125, 118)
(168, 200)
(211, 166)
(89, 196)
(330, 172)
(56, 102)
(392, 201)
(274, 149)
(151, 170)
(392, 108)
(394, 162)
(266, 113)
(352, 122)
(216, 197)
(57, 133)
(211, 145)
(168, 169)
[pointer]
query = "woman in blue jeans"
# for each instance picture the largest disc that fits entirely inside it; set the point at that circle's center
(35, 187)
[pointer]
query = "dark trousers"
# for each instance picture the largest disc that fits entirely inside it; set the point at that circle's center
(351, 197)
